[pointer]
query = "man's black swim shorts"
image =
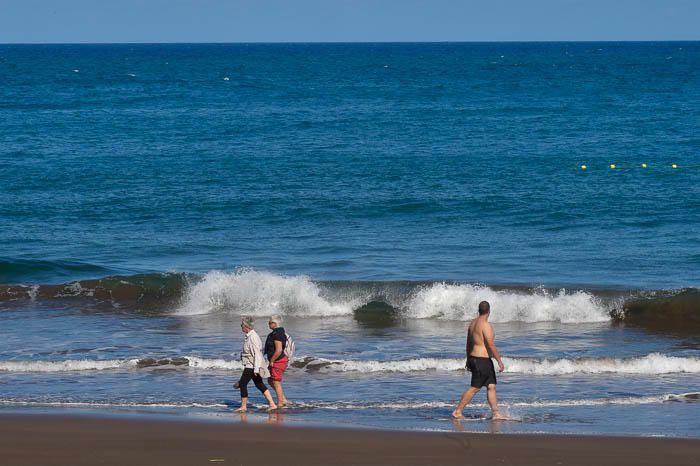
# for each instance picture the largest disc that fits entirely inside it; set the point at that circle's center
(483, 372)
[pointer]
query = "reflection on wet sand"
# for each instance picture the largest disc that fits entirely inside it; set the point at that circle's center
(495, 426)
(275, 418)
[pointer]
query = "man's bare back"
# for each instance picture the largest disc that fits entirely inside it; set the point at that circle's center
(475, 338)
(480, 340)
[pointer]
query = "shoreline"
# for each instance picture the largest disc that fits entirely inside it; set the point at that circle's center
(87, 440)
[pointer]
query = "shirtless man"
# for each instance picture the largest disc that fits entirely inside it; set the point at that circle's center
(480, 349)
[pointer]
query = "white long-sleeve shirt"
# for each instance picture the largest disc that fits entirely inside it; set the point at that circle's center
(252, 355)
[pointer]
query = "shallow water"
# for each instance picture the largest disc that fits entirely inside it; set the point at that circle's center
(574, 378)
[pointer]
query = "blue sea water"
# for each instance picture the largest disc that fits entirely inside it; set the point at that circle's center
(372, 194)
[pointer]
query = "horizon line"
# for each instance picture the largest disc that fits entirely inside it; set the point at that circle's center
(361, 42)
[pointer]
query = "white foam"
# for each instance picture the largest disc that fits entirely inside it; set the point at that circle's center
(350, 405)
(102, 365)
(33, 292)
(651, 364)
(108, 404)
(459, 302)
(217, 364)
(427, 405)
(75, 289)
(639, 400)
(65, 366)
(654, 363)
(257, 293)
(409, 365)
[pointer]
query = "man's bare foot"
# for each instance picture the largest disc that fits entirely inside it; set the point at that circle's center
(497, 416)
(242, 410)
(271, 408)
(457, 415)
(284, 404)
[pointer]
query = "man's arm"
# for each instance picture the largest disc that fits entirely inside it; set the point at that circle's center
(491, 346)
(470, 342)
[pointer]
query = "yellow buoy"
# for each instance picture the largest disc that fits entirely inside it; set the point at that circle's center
(674, 166)
(644, 165)
(612, 165)
(583, 167)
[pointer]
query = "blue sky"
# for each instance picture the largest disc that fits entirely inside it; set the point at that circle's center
(43, 21)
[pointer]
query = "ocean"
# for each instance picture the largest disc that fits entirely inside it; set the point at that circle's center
(371, 194)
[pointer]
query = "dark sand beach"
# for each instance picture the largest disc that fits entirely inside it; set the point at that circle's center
(62, 440)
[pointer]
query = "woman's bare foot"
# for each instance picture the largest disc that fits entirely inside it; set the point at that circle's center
(242, 410)
(272, 408)
(457, 415)
(497, 416)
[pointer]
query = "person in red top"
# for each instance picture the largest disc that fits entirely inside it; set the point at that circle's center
(274, 350)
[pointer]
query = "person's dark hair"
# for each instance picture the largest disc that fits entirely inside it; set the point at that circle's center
(484, 308)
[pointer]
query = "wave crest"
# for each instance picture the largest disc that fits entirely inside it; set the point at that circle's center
(654, 363)
(262, 293)
(259, 293)
(650, 364)
(459, 302)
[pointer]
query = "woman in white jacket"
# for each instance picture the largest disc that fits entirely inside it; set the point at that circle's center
(253, 364)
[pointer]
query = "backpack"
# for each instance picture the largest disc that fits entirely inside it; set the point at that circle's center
(289, 347)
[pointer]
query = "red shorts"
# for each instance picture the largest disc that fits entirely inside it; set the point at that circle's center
(278, 368)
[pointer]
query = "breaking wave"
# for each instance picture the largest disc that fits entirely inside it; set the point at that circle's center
(458, 302)
(259, 293)
(650, 364)
(78, 365)
(262, 293)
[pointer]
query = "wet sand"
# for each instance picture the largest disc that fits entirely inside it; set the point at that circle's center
(61, 440)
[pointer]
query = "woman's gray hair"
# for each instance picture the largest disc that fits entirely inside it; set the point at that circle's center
(248, 322)
(276, 318)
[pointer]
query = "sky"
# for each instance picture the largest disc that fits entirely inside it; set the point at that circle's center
(113, 21)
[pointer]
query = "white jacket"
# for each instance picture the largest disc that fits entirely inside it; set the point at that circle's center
(252, 355)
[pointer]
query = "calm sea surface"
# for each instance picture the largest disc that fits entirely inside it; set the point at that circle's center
(373, 194)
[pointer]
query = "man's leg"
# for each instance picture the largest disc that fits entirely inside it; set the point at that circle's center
(270, 401)
(281, 399)
(493, 401)
(466, 398)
